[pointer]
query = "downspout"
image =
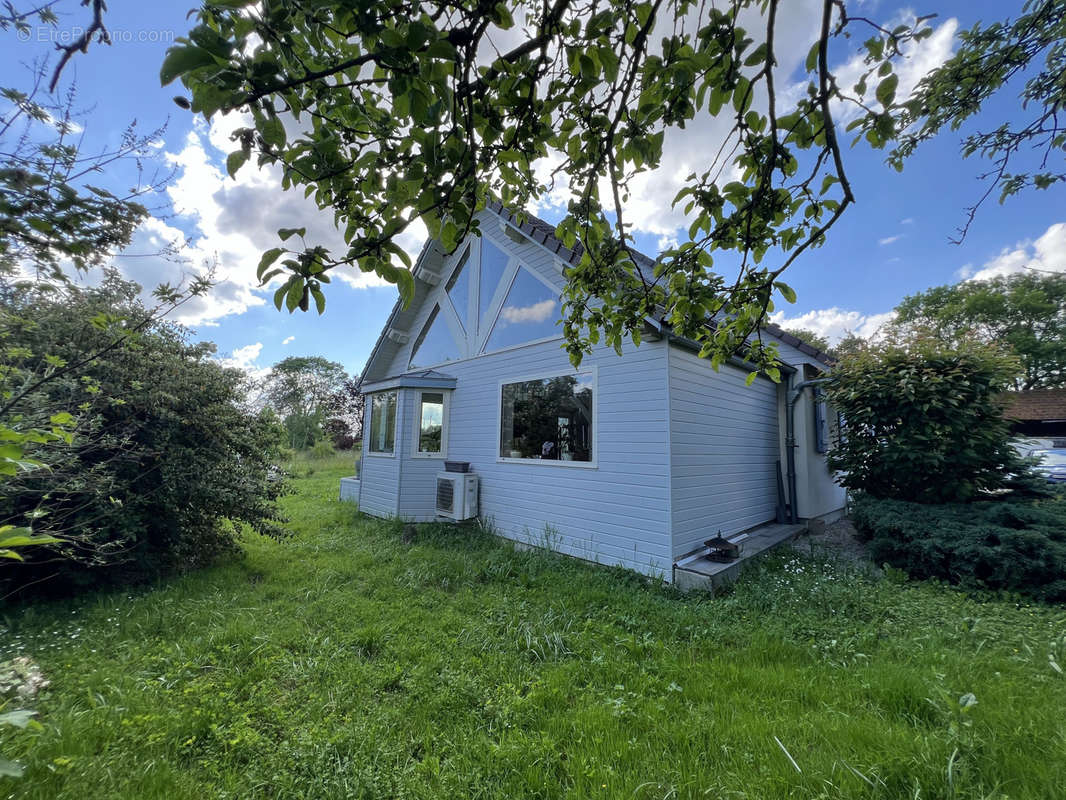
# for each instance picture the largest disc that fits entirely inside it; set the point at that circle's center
(794, 394)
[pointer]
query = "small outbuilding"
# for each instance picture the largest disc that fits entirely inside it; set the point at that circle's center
(634, 460)
(1038, 414)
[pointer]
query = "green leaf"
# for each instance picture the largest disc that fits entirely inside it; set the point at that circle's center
(294, 294)
(268, 258)
(273, 132)
(886, 90)
(286, 233)
(787, 291)
(182, 59)
(234, 161)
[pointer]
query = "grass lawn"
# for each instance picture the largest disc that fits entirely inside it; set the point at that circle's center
(348, 663)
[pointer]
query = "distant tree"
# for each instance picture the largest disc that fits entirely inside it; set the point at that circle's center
(299, 388)
(1025, 311)
(810, 337)
(343, 414)
(850, 344)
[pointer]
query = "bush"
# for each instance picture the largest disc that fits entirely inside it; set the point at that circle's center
(923, 421)
(166, 466)
(1013, 544)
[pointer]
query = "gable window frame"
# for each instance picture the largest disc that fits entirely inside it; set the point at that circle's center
(594, 459)
(371, 408)
(515, 270)
(441, 310)
(416, 444)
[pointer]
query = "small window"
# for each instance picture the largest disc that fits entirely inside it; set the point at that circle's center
(435, 345)
(432, 438)
(548, 419)
(821, 422)
(530, 312)
(458, 289)
(383, 422)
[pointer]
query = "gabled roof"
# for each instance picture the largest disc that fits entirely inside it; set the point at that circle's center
(543, 233)
(1037, 405)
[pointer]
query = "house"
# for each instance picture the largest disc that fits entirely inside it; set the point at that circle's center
(632, 460)
(1039, 415)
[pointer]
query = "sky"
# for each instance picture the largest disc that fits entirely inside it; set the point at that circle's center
(892, 243)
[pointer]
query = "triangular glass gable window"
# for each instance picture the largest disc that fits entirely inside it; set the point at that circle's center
(458, 289)
(435, 344)
(493, 264)
(530, 312)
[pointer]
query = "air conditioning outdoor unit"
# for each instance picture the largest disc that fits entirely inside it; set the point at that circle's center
(456, 495)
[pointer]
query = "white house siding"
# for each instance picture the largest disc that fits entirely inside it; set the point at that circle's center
(614, 513)
(724, 445)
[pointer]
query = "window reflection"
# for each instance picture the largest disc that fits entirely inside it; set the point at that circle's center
(530, 312)
(436, 344)
(431, 427)
(548, 419)
(382, 422)
(458, 289)
(493, 263)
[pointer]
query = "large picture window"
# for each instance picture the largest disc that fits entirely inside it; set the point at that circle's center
(432, 435)
(383, 422)
(549, 419)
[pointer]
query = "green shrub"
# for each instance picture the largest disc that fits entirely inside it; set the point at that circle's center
(923, 421)
(1013, 544)
(322, 449)
(166, 465)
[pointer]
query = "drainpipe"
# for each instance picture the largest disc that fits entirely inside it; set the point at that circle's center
(794, 394)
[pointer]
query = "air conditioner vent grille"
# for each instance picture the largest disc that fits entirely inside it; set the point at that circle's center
(445, 495)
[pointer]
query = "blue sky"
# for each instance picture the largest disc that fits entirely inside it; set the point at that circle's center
(892, 243)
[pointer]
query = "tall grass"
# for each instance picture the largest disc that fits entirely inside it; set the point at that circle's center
(349, 661)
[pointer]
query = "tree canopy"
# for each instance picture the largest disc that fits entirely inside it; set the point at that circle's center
(302, 390)
(1026, 312)
(398, 111)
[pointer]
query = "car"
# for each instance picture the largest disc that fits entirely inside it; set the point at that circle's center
(1052, 464)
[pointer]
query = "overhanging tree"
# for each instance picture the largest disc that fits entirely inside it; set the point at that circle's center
(397, 111)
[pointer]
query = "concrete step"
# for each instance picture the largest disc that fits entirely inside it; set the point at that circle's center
(706, 575)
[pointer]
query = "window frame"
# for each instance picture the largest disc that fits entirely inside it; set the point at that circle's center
(416, 431)
(594, 463)
(370, 451)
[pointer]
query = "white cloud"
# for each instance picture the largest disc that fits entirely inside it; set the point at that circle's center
(538, 312)
(288, 340)
(890, 239)
(231, 223)
(246, 359)
(834, 323)
(907, 221)
(1047, 253)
